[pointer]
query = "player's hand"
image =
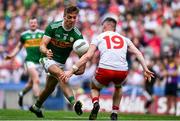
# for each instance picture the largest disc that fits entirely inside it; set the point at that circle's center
(148, 75)
(8, 57)
(68, 74)
(80, 70)
(63, 78)
(49, 54)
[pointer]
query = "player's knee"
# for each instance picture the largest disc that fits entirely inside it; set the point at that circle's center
(93, 86)
(36, 81)
(118, 89)
(30, 84)
(55, 72)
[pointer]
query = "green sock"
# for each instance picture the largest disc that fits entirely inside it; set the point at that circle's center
(71, 100)
(25, 90)
(38, 104)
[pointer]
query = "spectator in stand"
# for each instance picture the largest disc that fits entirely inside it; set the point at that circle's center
(164, 31)
(177, 61)
(171, 84)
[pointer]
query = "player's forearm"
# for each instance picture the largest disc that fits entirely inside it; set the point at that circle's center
(142, 61)
(44, 43)
(81, 62)
(84, 59)
(15, 51)
(43, 49)
(139, 55)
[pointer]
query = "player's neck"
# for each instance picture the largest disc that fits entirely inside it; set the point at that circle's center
(65, 27)
(108, 29)
(33, 30)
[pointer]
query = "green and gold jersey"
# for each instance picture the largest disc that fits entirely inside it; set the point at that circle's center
(31, 41)
(61, 40)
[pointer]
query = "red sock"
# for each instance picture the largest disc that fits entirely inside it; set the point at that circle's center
(95, 99)
(115, 107)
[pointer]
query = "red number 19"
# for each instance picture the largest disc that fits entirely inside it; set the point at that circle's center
(117, 40)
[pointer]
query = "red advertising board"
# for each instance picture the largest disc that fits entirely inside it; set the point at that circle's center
(130, 105)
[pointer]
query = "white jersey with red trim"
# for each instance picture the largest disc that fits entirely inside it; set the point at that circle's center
(113, 50)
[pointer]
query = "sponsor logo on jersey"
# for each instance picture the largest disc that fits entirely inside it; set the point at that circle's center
(61, 44)
(27, 37)
(40, 35)
(71, 39)
(32, 42)
(57, 35)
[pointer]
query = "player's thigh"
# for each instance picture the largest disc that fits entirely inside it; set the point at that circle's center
(54, 70)
(51, 66)
(119, 77)
(102, 77)
(31, 69)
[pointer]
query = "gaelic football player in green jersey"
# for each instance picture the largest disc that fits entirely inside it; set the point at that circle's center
(56, 47)
(30, 39)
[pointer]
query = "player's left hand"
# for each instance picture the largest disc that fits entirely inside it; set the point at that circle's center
(67, 74)
(148, 75)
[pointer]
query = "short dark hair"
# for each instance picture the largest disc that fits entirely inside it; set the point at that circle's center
(33, 17)
(110, 19)
(71, 9)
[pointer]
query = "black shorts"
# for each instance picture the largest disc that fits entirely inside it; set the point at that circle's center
(171, 89)
(149, 90)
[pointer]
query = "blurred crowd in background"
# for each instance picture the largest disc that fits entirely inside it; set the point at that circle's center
(152, 25)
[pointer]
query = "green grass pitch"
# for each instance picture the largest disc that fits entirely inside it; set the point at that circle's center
(8, 114)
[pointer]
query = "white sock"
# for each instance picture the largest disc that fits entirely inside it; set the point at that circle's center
(114, 111)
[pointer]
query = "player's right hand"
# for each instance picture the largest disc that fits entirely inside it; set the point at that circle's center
(67, 75)
(148, 75)
(49, 54)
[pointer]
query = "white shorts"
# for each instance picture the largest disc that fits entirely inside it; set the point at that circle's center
(30, 64)
(39, 69)
(46, 63)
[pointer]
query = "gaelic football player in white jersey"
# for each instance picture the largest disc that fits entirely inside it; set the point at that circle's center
(113, 66)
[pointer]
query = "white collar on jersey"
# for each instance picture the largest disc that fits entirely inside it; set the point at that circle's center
(33, 31)
(65, 28)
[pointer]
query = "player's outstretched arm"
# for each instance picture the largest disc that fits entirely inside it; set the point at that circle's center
(147, 73)
(15, 51)
(82, 61)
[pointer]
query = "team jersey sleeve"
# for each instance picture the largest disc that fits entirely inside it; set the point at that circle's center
(49, 31)
(78, 34)
(22, 40)
(128, 41)
(79, 37)
(94, 41)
